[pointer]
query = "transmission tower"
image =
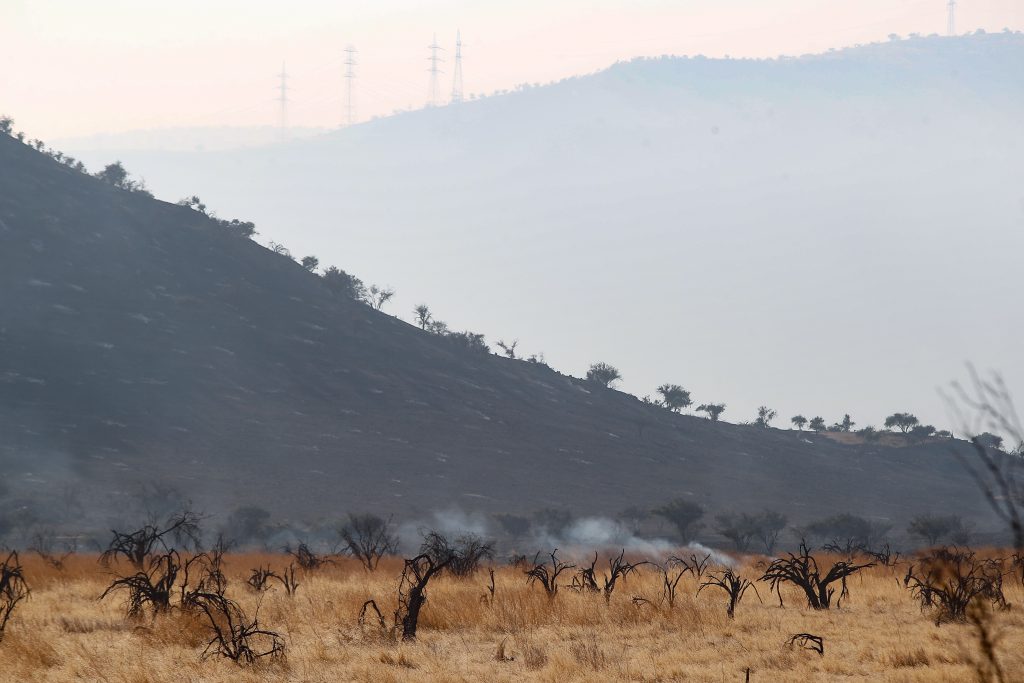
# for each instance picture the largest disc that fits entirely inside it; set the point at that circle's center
(350, 74)
(951, 24)
(434, 97)
(282, 99)
(457, 77)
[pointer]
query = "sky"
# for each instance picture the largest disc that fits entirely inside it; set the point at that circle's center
(104, 66)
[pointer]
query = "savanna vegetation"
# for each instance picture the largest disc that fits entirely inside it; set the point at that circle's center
(947, 614)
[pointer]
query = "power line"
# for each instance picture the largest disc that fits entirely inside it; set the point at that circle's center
(350, 74)
(434, 98)
(457, 77)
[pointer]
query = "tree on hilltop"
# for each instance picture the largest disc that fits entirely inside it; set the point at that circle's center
(901, 421)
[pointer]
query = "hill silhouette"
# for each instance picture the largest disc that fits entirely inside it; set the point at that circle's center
(142, 343)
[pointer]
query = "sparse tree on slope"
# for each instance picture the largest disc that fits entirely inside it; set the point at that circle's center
(342, 283)
(817, 424)
(799, 421)
(377, 296)
(310, 263)
(509, 348)
(989, 440)
(603, 373)
(674, 397)
(194, 203)
(114, 174)
(438, 327)
(713, 410)
(423, 316)
(473, 341)
(765, 415)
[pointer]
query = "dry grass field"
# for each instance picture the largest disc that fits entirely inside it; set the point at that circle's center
(64, 633)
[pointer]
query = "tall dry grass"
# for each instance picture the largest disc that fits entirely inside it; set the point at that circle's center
(64, 633)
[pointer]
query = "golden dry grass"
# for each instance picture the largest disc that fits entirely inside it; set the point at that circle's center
(64, 633)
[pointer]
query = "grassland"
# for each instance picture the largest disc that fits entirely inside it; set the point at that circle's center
(63, 632)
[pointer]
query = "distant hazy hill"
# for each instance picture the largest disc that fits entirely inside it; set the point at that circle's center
(826, 233)
(140, 342)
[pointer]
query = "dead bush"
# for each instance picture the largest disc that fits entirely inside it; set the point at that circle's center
(545, 575)
(734, 586)
(695, 565)
(307, 559)
(44, 544)
(808, 641)
(259, 578)
(671, 575)
(802, 571)
(618, 568)
(137, 546)
(412, 586)
(13, 588)
(288, 581)
(464, 555)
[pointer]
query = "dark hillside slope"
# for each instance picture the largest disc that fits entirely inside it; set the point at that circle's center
(140, 342)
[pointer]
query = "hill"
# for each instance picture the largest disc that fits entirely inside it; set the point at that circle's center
(141, 343)
(752, 224)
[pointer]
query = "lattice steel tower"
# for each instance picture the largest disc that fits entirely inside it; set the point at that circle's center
(951, 24)
(282, 99)
(434, 96)
(350, 75)
(457, 77)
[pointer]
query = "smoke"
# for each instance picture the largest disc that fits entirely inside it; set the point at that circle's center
(578, 539)
(451, 522)
(594, 534)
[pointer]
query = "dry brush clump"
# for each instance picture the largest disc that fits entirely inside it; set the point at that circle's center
(949, 580)
(201, 585)
(151, 587)
(235, 636)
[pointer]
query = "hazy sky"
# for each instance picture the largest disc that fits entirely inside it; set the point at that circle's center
(76, 67)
